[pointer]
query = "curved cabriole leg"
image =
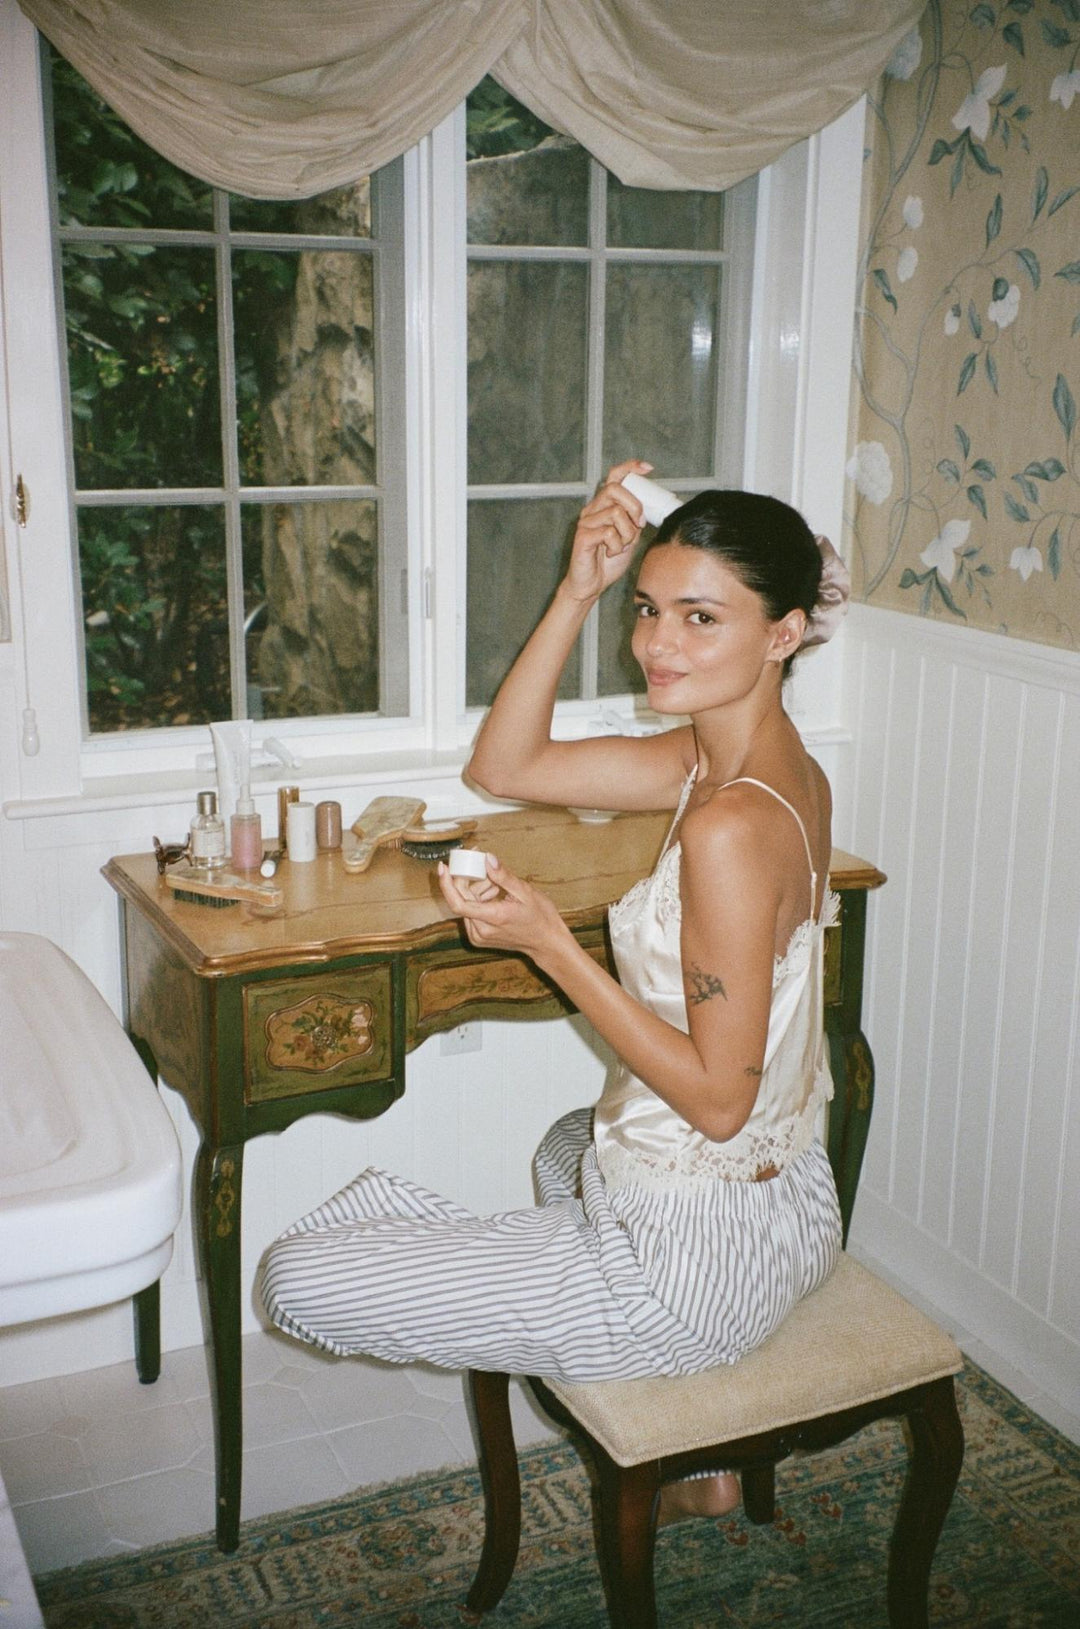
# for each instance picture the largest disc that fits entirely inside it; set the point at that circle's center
(937, 1452)
(629, 1504)
(759, 1493)
(490, 1395)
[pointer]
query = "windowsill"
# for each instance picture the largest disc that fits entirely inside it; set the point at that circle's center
(414, 770)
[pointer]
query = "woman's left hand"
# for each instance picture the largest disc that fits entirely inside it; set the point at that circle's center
(504, 912)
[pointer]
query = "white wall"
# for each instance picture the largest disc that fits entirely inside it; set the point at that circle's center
(964, 787)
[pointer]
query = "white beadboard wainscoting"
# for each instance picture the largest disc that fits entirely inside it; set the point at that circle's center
(963, 785)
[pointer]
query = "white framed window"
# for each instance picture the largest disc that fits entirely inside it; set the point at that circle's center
(479, 461)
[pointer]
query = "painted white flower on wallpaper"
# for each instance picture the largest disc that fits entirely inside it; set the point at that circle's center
(940, 555)
(970, 517)
(870, 469)
(1003, 309)
(1065, 87)
(974, 111)
(1025, 561)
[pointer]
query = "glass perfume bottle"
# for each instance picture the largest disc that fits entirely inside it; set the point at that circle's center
(207, 834)
(245, 834)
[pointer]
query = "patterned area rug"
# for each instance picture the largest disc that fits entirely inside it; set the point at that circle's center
(403, 1556)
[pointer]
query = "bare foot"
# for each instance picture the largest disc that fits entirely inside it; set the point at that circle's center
(698, 1496)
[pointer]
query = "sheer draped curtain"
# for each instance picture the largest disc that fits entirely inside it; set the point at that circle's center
(279, 99)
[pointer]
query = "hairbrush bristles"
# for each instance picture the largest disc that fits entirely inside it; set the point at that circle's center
(434, 839)
(215, 901)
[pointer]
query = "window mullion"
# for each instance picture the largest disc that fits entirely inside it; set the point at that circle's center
(594, 407)
(230, 458)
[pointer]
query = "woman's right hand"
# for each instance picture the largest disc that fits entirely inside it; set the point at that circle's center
(607, 529)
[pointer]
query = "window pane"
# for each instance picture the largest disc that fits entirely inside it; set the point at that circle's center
(345, 212)
(526, 185)
(155, 616)
(106, 176)
(311, 608)
(142, 363)
(618, 672)
(639, 218)
(305, 367)
(517, 552)
(660, 368)
(527, 360)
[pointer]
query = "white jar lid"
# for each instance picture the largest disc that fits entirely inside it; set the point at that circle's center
(467, 862)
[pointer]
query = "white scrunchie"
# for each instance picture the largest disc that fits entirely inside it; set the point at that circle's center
(833, 596)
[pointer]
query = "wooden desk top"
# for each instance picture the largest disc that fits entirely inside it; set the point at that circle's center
(396, 905)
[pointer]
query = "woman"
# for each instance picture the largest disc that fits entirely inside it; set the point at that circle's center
(681, 1221)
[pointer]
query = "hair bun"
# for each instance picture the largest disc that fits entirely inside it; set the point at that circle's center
(833, 596)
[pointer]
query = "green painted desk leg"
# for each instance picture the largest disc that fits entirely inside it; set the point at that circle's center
(146, 1304)
(851, 1062)
(218, 1175)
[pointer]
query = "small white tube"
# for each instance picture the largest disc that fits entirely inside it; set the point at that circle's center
(232, 761)
(300, 833)
(467, 862)
(657, 502)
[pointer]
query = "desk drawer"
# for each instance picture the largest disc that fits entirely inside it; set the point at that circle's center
(309, 1034)
(452, 987)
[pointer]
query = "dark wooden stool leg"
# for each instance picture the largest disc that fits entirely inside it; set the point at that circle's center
(629, 1503)
(490, 1395)
(937, 1453)
(759, 1493)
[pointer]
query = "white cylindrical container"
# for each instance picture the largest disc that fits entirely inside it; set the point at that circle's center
(467, 862)
(657, 502)
(300, 832)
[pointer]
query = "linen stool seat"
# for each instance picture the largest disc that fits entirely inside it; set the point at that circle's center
(851, 1352)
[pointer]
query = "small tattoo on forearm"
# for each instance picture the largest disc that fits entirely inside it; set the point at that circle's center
(702, 986)
(754, 1073)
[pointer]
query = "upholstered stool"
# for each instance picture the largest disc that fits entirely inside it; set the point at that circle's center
(852, 1352)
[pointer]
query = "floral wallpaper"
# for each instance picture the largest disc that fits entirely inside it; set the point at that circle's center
(963, 498)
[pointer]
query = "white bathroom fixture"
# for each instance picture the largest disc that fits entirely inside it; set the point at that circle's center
(89, 1160)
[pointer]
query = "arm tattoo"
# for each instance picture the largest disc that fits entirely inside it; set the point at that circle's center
(755, 1074)
(701, 986)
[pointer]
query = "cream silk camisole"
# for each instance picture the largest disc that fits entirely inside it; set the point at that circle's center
(639, 1139)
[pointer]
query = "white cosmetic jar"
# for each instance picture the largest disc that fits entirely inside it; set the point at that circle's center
(467, 862)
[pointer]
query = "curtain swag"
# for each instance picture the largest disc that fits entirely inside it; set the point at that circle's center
(279, 99)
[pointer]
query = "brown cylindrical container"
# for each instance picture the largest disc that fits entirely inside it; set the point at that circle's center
(285, 796)
(328, 825)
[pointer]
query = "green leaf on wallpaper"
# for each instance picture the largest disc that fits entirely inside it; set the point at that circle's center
(963, 439)
(1053, 554)
(1014, 35)
(1001, 288)
(1028, 488)
(1045, 469)
(978, 153)
(1075, 329)
(1030, 262)
(1021, 114)
(951, 472)
(983, 16)
(957, 172)
(1064, 405)
(1053, 35)
(1071, 272)
(991, 370)
(912, 579)
(993, 222)
(881, 278)
(943, 590)
(1062, 198)
(983, 467)
(941, 149)
(974, 320)
(966, 373)
(1016, 510)
(1020, 6)
(978, 498)
(1042, 187)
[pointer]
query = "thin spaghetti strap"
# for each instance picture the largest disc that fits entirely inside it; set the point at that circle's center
(677, 816)
(765, 787)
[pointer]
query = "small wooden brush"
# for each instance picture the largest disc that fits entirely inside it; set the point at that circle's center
(383, 823)
(199, 887)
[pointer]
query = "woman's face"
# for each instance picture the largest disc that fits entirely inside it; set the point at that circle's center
(701, 637)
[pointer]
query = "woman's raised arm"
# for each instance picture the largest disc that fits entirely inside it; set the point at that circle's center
(514, 755)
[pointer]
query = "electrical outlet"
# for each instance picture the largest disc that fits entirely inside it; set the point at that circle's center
(464, 1038)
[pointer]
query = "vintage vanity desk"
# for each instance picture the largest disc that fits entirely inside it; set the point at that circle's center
(257, 1020)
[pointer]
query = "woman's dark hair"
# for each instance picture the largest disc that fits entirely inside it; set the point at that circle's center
(765, 542)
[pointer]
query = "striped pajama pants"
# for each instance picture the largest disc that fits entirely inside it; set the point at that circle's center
(589, 1285)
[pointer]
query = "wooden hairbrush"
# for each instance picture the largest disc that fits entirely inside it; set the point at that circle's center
(382, 824)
